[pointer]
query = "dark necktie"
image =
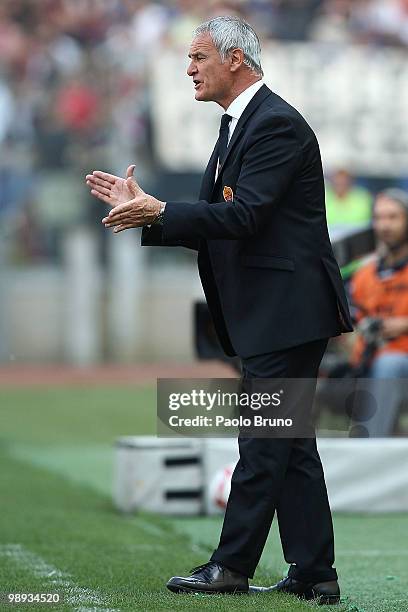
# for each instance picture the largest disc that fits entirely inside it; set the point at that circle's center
(223, 138)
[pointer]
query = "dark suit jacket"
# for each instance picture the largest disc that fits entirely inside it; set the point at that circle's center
(265, 260)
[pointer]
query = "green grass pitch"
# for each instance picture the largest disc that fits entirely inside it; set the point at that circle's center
(60, 532)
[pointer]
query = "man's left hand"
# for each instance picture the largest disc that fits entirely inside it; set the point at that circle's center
(141, 210)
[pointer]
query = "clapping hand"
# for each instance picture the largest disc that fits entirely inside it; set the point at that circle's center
(131, 206)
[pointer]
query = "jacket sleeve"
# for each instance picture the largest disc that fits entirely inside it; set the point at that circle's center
(153, 236)
(272, 158)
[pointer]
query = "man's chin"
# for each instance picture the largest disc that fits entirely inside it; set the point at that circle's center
(394, 246)
(201, 97)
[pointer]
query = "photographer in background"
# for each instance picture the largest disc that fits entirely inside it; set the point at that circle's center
(379, 291)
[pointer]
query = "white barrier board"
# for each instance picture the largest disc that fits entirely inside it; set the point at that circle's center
(176, 476)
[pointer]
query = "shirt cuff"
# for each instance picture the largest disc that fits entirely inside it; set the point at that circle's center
(159, 219)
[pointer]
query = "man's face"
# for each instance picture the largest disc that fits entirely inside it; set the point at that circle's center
(342, 181)
(212, 78)
(390, 222)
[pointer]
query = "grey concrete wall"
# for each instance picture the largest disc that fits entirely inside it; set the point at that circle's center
(44, 325)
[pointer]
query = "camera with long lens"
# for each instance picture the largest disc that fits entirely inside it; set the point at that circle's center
(370, 328)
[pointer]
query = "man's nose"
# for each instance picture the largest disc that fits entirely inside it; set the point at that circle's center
(191, 70)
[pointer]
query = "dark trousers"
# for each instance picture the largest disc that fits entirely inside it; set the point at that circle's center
(282, 474)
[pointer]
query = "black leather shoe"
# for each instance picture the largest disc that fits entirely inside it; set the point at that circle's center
(212, 577)
(321, 592)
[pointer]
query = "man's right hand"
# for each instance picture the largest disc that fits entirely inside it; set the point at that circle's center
(394, 327)
(111, 189)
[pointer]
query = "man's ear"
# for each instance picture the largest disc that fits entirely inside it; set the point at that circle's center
(236, 59)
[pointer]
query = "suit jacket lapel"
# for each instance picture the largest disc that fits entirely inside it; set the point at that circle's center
(207, 182)
(258, 98)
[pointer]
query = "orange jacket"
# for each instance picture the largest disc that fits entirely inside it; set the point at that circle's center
(381, 297)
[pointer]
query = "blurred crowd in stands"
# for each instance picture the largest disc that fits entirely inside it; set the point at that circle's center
(72, 83)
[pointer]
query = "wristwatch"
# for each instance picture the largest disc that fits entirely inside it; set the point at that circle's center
(159, 219)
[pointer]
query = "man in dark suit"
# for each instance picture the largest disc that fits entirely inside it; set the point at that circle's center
(274, 291)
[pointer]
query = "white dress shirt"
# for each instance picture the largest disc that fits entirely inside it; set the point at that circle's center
(237, 107)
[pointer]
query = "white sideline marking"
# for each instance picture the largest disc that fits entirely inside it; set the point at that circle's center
(73, 594)
(136, 547)
(150, 528)
(372, 553)
(201, 549)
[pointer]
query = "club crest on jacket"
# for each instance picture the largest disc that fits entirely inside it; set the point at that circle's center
(228, 194)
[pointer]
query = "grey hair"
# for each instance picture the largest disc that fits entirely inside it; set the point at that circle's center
(230, 33)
